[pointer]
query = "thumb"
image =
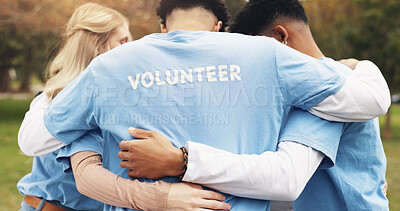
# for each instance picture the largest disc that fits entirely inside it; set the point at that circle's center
(139, 133)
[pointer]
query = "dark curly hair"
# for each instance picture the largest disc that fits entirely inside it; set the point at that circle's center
(259, 15)
(217, 7)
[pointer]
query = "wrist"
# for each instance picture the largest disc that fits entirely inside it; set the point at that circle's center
(185, 162)
(177, 162)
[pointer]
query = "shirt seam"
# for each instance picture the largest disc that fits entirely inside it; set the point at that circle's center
(277, 69)
(336, 87)
(316, 144)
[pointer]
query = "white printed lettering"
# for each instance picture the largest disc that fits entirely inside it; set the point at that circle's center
(151, 79)
(187, 76)
(158, 81)
(175, 80)
(211, 73)
(235, 71)
(134, 84)
(199, 71)
(222, 73)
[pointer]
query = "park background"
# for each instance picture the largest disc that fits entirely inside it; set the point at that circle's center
(31, 33)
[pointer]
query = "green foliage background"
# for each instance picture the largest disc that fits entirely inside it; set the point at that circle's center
(362, 29)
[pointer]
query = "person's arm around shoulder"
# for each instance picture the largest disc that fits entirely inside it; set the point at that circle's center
(33, 137)
(280, 175)
(364, 96)
(306, 82)
(96, 182)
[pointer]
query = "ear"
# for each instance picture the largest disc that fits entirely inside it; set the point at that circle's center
(281, 33)
(163, 28)
(217, 27)
(103, 48)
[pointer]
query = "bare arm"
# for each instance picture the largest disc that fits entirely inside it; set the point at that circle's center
(100, 184)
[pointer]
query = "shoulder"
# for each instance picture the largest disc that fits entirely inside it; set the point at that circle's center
(330, 62)
(40, 101)
(245, 39)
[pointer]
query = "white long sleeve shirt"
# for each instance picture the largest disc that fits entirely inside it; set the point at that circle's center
(364, 96)
(280, 175)
(33, 137)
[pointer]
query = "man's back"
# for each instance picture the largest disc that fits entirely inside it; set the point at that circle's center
(236, 89)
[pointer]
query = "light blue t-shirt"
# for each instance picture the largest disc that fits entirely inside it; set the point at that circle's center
(47, 180)
(357, 179)
(229, 91)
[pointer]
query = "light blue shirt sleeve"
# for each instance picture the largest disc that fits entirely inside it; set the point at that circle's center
(305, 128)
(71, 113)
(304, 80)
(91, 141)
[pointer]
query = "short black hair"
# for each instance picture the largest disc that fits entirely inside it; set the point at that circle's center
(217, 7)
(259, 15)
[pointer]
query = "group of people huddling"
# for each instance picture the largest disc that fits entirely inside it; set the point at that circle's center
(298, 126)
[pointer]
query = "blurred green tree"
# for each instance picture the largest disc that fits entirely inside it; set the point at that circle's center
(377, 38)
(31, 31)
(234, 6)
(363, 29)
(26, 26)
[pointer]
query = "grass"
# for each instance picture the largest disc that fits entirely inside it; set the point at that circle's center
(14, 165)
(392, 149)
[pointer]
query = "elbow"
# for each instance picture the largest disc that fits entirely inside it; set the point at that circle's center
(80, 187)
(24, 145)
(293, 189)
(387, 103)
(294, 193)
(28, 146)
(384, 100)
(24, 149)
(383, 110)
(383, 105)
(377, 105)
(288, 189)
(288, 192)
(295, 184)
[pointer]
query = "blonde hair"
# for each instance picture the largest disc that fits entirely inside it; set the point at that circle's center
(86, 37)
